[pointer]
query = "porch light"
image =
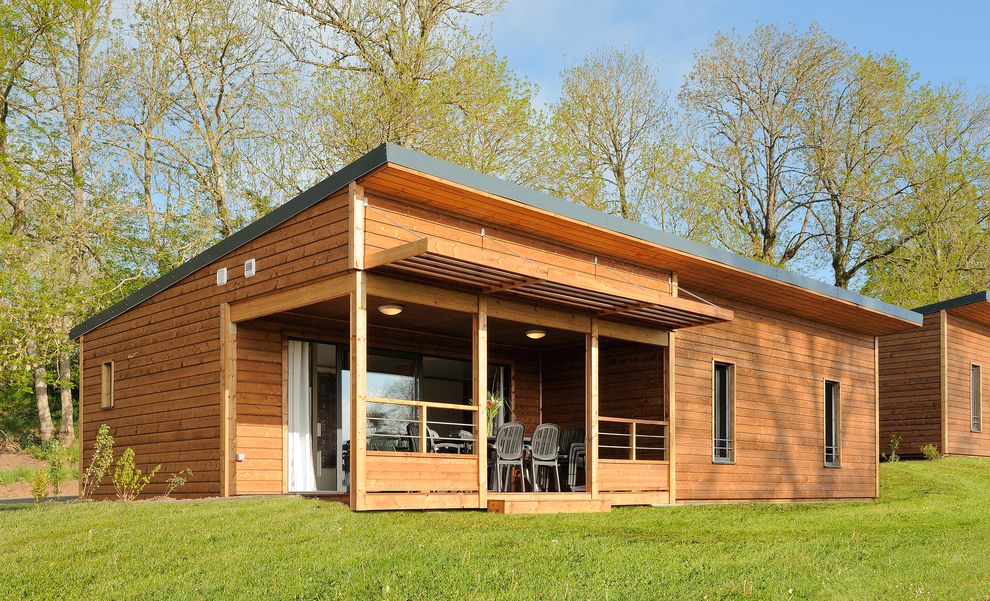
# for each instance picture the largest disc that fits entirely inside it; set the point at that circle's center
(390, 309)
(536, 333)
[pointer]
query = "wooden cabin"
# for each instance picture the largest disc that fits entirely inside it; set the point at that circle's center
(340, 344)
(933, 380)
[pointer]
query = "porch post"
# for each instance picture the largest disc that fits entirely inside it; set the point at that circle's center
(359, 371)
(228, 406)
(669, 442)
(591, 409)
(480, 385)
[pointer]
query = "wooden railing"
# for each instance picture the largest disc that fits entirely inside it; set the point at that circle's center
(422, 407)
(654, 443)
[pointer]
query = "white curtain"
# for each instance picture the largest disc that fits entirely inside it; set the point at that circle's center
(302, 472)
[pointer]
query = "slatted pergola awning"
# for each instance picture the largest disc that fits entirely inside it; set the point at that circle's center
(426, 259)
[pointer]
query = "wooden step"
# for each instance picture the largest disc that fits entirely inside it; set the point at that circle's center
(549, 505)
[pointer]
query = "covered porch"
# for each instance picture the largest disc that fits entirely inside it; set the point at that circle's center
(387, 372)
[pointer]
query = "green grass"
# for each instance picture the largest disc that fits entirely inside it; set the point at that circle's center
(927, 538)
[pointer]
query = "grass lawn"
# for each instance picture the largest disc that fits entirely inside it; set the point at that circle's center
(927, 538)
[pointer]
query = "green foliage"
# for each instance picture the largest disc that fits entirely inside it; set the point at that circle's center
(55, 454)
(931, 516)
(128, 478)
(895, 445)
(176, 481)
(92, 477)
(39, 484)
(931, 452)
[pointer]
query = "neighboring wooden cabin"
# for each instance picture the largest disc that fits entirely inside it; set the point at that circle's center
(933, 380)
(392, 297)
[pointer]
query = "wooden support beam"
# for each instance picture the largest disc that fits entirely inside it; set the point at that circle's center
(513, 285)
(632, 441)
(421, 294)
(355, 226)
(228, 384)
(479, 384)
(943, 319)
(397, 253)
(876, 411)
(545, 316)
(291, 298)
(591, 409)
(671, 417)
(359, 392)
(82, 405)
(633, 333)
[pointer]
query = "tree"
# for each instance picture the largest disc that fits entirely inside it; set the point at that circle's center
(858, 129)
(410, 73)
(610, 127)
(950, 158)
(745, 98)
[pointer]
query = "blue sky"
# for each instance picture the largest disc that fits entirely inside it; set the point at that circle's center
(944, 40)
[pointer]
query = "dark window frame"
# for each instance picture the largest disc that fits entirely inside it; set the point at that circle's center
(832, 421)
(723, 412)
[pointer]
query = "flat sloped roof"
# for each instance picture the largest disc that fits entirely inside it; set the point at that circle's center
(397, 155)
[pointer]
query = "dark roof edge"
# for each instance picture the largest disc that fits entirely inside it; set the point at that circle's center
(493, 185)
(391, 153)
(952, 303)
(362, 166)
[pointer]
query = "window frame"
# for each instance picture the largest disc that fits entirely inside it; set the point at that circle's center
(975, 398)
(730, 406)
(836, 416)
(107, 374)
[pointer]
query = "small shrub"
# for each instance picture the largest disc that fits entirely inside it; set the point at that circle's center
(39, 484)
(128, 479)
(930, 452)
(895, 445)
(100, 464)
(55, 454)
(176, 481)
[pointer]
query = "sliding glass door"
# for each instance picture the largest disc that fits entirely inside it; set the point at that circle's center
(319, 419)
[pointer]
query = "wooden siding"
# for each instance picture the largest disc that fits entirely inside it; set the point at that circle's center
(633, 476)
(968, 343)
(421, 473)
(781, 363)
(910, 388)
(391, 222)
(166, 351)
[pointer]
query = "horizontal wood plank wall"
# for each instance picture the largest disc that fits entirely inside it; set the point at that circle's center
(166, 351)
(968, 344)
(259, 410)
(563, 387)
(633, 476)
(781, 362)
(391, 222)
(910, 389)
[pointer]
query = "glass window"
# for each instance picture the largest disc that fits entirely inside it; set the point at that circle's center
(977, 400)
(832, 424)
(723, 401)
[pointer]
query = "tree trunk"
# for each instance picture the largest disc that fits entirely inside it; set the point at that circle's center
(41, 392)
(66, 431)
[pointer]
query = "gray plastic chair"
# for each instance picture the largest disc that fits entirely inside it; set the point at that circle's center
(509, 454)
(467, 447)
(432, 446)
(575, 459)
(568, 437)
(544, 454)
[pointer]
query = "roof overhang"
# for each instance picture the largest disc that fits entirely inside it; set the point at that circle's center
(482, 272)
(395, 170)
(974, 307)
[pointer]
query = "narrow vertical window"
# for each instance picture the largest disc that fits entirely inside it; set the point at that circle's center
(832, 424)
(723, 450)
(106, 386)
(976, 396)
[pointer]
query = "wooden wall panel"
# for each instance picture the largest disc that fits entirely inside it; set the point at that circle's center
(781, 364)
(910, 388)
(391, 222)
(166, 351)
(563, 387)
(259, 410)
(968, 343)
(633, 476)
